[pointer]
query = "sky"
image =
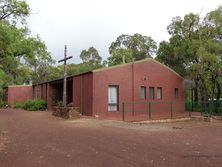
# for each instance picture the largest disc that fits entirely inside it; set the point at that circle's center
(80, 24)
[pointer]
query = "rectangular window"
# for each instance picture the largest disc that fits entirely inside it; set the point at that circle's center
(159, 93)
(143, 92)
(113, 98)
(151, 92)
(176, 93)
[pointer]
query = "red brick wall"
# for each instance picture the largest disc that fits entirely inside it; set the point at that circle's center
(86, 97)
(147, 73)
(49, 96)
(19, 94)
(44, 92)
(40, 91)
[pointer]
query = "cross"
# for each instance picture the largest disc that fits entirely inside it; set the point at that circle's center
(65, 75)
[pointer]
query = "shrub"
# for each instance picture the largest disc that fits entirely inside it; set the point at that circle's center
(35, 105)
(19, 105)
(3, 104)
(32, 105)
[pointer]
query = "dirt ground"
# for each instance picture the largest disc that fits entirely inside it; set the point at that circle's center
(32, 139)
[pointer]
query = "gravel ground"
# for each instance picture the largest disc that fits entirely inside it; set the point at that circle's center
(39, 139)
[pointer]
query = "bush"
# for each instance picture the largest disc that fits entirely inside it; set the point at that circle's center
(35, 105)
(19, 105)
(32, 105)
(3, 104)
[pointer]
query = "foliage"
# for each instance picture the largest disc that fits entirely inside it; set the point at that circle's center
(118, 56)
(12, 10)
(91, 57)
(3, 104)
(131, 46)
(32, 105)
(57, 72)
(35, 105)
(22, 57)
(90, 60)
(38, 60)
(19, 105)
(194, 50)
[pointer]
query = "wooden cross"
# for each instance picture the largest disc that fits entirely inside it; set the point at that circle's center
(65, 75)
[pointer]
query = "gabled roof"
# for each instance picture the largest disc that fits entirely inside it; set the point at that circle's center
(136, 62)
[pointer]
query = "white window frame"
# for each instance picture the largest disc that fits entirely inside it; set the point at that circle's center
(113, 98)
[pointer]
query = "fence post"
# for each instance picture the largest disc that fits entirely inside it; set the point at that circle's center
(149, 111)
(201, 108)
(171, 109)
(211, 108)
(123, 111)
(191, 100)
(189, 113)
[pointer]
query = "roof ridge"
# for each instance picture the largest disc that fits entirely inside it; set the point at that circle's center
(122, 65)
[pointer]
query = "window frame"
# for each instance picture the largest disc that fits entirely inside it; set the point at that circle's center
(161, 93)
(114, 104)
(143, 90)
(176, 93)
(153, 88)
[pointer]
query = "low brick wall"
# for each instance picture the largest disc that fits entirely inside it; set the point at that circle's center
(66, 112)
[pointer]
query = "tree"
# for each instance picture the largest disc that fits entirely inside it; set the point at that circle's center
(22, 57)
(120, 55)
(12, 10)
(194, 50)
(136, 46)
(38, 60)
(91, 59)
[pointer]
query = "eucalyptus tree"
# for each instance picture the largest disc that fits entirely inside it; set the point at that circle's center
(194, 50)
(134, 46)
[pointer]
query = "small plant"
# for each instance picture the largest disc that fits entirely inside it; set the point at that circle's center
(19, 106)
(59, 104)
(32, 105)
(35, 105)
(3, 104)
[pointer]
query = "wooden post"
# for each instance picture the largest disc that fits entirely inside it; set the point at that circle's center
(65, 76)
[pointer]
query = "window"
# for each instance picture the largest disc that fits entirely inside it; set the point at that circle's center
(113, 98)
(143, 92)
(151, 92)
(176, 93)
(159, 93)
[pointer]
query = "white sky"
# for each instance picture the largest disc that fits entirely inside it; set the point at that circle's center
(84, 23)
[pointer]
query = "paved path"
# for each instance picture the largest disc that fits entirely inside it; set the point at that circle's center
(32, 139)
